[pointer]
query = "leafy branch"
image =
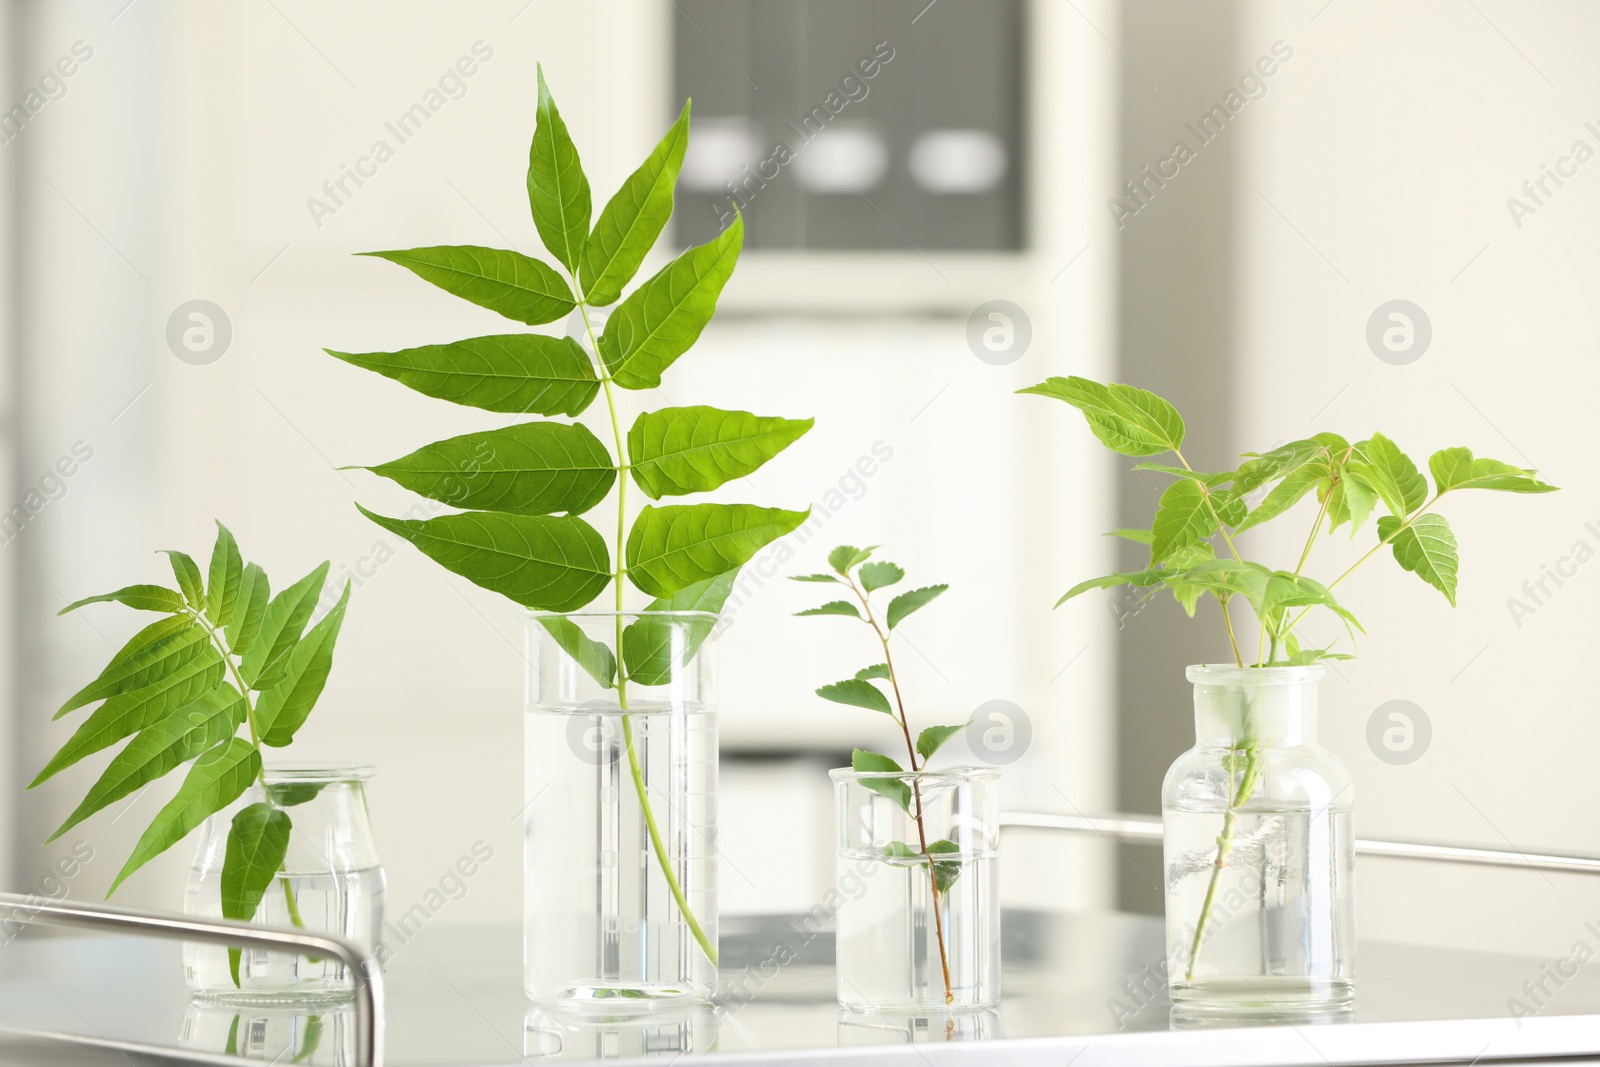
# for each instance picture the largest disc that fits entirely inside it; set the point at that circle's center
(226, 654)
(851, 568)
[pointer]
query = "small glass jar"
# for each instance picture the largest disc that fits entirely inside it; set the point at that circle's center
(330, 883)
(1259, 850)
(285, 1034)
(917, 903)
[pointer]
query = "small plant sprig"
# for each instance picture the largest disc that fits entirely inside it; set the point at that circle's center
(1349, 480)
(851, 568)
(226, 654)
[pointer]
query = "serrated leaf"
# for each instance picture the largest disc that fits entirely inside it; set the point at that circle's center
(864, 762)
(670, 548)
(227, 571)
(1142, 537)
(676, 451)
(187, 572)
(157, 650)
(519, 373)
(546, 562)
(658, 321)
(877, 670)
(1183, 517)
(1455, 468)
(258, 840)
(945, 872)
(633, 219)
(161, 747)
(648, 643)
(879, 575)
(858, 693)
(929, 740)
(1350, 500)
(833, 607)
(847, 557)
(1131, 421)
(285, 618)
(1261, 468)
(1427, 548)
(506, 282)
(595, 657)
(282, 710)
(1210, 481)
(1379, 463)
(1109, 581)
(906, 603)
(815, 578)
(1285, 495)
(216, 780)
(255, 592)
(141, 597)
(532, 468)
(558, 192)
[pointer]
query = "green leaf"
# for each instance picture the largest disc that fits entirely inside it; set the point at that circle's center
(660, 320)
(1427, 548)
(510, 283)
(647, 644)
(929, 740)
(1136, 578)
(857, 693)
(558, 192)
(310, 1042)
(1143, 537)
(1183, 517)
(879, 575)
(864, 762)
(216, 780)
(1210, 481)
(160, 748)
(131, 711)
(282, 710)
(1350, 500)
(672, 547)
(157, 650)
(846, 558)
(906, 603)
(595, 657)
(142, 597)
(630, 223)
(532, 468)
(187, 572)
(1379, 462)
(1131, 421)
(676, 451)
(1454, 468)
(899, 850)
(1306, 656)
(286, 616)
(250, 611)
(945, 872)
(520, 373)
(833, 607)
(258, 840)
(877, 670)
(814, 578)
(547, 562)
(1265, 467)
(1285, 495)
(227, 572)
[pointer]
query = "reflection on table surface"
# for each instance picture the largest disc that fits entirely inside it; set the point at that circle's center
(455, 996)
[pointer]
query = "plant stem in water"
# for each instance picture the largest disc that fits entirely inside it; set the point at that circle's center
(1250, 747)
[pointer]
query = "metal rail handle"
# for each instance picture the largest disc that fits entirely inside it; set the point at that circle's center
(363, 969)
(1145, 830)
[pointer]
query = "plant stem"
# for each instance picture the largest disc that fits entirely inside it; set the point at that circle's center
(1205, 491)
(1238, 796)
(916, 786)
(1232, 640)
(635, 770)
(1311, 538)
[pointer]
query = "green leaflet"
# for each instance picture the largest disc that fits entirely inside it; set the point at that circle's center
(255, 592)
(648, 643)
(877, 670)
(1455, 468)
(157, 650)
(880, 575)
(286, 617)
(895, 789)
(676, 451)
(282, 710)
(858, 694)
(846, 558)
(258, 840)
(532, 468)
(1379, 462)
(945, 872)
(630, 223)
(595, 657)
(1427, 548)
(1285, 495)
(506, 282)
(558, 193)
(658, 321)
(906, 603)
(142, 597)
(1183, 517)
(1210, 481)
(930, 740)
(815, 578)
(1109, 581)
(518, 373)
(216, 780)
(551, 563)
(293, 794)
(1131, 421)
(672, 547)
(187, 572)
(834, 607)
(227, 573)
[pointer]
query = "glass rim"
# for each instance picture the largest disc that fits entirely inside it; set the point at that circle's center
(314, 772)
(955, 774)
(688, 616)
(1226, 673)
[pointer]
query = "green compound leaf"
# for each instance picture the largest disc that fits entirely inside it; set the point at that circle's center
(660, 320)
(864, 762)
(216, 780)
(858, 694)
(880, 575)
(676, 451)
(154, 652)
(285, 619)
(1134, 422)
(558, 192)
(258, 840)
(510, 283)
(595, 657)
(634, 218)
(227, 573)
(518, 373)
(672, 547)
(647, 644)
(533, 468)
(255, 592)
(187, 572)
(1427, 548)
(1379, 462)
(546, 562)
(282, 710)
(834, 607)
(1455, 468)
(142, 597)
(906, 603)
(930, 740)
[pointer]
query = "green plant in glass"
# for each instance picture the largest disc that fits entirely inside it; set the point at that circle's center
(523, 489)
(226, 654)
(1200, 509)
(855, 569)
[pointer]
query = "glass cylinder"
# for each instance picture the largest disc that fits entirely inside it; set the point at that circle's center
(330, 883)
(620, 860)
(286, 1034)
(917, 915)
(1259, 850)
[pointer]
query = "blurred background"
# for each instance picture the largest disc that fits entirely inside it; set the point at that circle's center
(1380, 217)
